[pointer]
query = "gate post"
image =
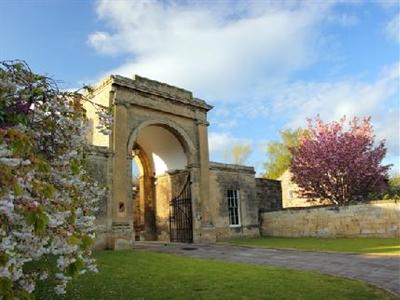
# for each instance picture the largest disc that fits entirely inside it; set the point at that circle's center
(122, 222)
(207, 231)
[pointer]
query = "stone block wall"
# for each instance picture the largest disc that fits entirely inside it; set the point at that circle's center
(269, 194)
(225, 177)
(168, 186)
(291, 196)
(99, 168)
(373, 219)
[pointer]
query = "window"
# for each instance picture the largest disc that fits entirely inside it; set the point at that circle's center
(233, 207)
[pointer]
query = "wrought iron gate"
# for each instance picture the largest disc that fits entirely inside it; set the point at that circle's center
(180, 216)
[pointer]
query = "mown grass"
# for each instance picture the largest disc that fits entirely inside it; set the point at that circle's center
(145, 275)
(388, 246)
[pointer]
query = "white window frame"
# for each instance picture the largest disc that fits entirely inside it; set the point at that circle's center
(235, 196)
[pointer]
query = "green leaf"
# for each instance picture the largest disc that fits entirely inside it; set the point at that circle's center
(3, 259)
(41, 223)
(38, 219)
(74, 239)
(87, 242)
(43, 167)
(48, 190)
(24, 295)
(75, 166)
(74, 268)
(17, 189)
(44, 189)
(84, 241)
(6, 291)
(20, 145)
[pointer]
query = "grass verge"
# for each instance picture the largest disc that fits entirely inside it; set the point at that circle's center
(145, 275)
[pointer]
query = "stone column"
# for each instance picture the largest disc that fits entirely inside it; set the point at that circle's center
(207, 224)
(122, 216)
(196, 201)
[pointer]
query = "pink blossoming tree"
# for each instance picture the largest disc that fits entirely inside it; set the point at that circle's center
(338, 164)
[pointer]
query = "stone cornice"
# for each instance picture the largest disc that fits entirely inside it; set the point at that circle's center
(98, 88)
(156, 88)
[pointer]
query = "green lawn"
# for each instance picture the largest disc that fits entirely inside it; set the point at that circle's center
(145, 275)
(359, 245)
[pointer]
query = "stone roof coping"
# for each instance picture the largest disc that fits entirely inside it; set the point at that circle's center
(337, 208)
(231, 167)
(156, 88)
(268, 179)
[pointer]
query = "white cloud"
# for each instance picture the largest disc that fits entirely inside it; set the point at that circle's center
(392, 28)
(344, 19)
(227, 123)
(100, 39)
(387, 127)
(220, 143)
(351, 97)
(221, 53)
(243, 54)
(387, 4)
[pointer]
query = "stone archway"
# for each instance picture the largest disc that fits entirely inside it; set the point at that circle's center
(162, 151)
(179, 133)
(138, 104)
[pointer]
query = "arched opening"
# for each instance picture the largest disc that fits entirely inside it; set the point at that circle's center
(143, 195)
(159, 173)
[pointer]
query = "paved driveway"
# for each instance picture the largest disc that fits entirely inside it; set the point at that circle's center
(383, 271)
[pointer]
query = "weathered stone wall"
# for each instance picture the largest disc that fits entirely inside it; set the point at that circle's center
(102, 96)
(99, 167)
(375, 219)
(225, 177)
(167, 187)
(290, 194)
(163, 196)
(269, 194)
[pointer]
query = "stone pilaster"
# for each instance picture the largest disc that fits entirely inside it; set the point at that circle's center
(122, 215)
(207, 223)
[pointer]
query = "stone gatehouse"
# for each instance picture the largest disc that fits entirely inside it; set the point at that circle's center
(179, 194)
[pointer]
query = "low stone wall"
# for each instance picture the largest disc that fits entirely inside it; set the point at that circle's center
(374, 219)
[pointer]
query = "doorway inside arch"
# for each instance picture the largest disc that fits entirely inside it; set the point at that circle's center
(161, 190)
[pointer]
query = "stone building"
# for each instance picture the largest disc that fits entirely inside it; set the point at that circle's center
(290, 193)
(178, 195)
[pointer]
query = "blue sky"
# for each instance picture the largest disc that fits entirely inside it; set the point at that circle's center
(264, 65)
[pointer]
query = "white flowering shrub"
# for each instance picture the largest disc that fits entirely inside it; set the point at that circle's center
(47, 200)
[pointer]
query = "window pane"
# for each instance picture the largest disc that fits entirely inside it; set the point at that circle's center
(233, 207)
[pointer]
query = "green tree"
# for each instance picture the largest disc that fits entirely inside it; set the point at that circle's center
(394, 181)
(238, 154)
(392, 189)
(279, 156)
